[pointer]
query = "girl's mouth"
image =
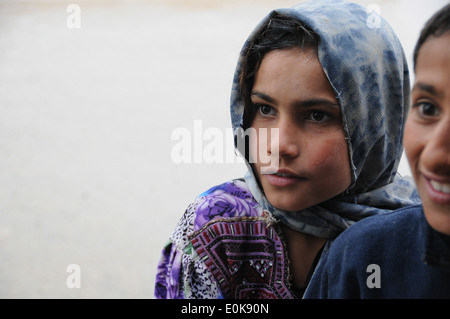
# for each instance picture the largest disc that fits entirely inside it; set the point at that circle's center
(283, 178)
(284, 175)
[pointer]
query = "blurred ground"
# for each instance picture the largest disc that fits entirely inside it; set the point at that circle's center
(86, 117)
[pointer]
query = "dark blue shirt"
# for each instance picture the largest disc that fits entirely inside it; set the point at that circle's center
(395, 255)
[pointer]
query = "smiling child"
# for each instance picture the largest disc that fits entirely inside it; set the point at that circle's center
(406, 254)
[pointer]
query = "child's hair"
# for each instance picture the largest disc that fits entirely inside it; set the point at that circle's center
(436, 26)
(279, 32)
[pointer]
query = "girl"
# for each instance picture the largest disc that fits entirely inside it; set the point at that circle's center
(330, 95)
(409, 248)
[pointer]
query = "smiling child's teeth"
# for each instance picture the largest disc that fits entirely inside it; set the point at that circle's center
(444, 188)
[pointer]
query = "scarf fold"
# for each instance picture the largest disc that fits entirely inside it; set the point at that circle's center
(329, 219)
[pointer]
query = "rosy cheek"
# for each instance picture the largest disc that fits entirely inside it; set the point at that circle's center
(322, 157)
(331, 166)
(330, 154)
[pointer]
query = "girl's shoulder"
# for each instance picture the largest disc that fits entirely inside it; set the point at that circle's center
(226, 201)
(232, 199)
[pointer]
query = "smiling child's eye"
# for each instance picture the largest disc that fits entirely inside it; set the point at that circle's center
(427, 109)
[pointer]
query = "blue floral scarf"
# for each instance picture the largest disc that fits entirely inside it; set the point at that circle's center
(367, 69)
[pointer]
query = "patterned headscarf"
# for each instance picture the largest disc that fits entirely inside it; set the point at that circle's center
(366, 66)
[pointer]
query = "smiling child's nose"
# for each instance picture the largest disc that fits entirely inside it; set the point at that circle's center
(437, 152)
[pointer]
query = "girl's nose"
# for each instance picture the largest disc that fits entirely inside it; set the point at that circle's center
(284, 140)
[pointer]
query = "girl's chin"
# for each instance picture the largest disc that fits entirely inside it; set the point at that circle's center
(285, 205)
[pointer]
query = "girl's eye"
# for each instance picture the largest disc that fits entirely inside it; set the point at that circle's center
(266, 110)
(318, 116)
(427, 109)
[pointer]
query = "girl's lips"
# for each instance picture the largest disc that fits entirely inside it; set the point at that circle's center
(282, 180)
(438, 192)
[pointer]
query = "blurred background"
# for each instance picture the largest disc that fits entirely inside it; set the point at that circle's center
(87, 109)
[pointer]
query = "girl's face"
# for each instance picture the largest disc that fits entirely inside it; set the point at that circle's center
(427, 131)
(292, 95)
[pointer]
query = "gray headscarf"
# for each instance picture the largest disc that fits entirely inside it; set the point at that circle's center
(367, 69)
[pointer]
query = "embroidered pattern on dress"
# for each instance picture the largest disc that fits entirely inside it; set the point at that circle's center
(246, 258)
(199, 282)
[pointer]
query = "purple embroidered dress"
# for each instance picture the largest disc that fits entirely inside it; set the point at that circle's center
(228, 243)
(224, 247)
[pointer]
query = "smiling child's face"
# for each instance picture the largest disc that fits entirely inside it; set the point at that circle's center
(427, 131)
(291, 94)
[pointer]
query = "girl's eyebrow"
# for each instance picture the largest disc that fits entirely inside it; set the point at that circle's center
(264, 97)
(427, 88)
(304, 103)
(316, 102)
